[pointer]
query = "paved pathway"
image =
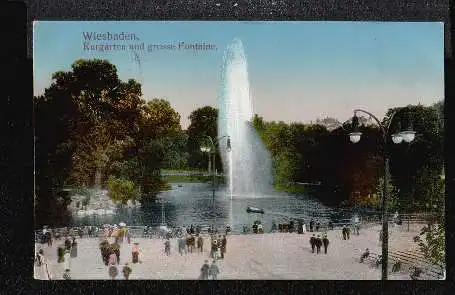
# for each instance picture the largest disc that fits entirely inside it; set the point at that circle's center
(267, 256)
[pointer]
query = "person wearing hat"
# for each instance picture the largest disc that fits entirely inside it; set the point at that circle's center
(312, 243)
(116, 250)
(182, 245)
(228, 229)
(364, 255)
(214, 248)
(67, 258)
(325, 242)
(126, 271)
(200, 243)
(47, 236)
(205, 270)
(223, 246)
(135, 252)
(318, 244)
(274, 227)
(39, 257)
(112, 257)
(68, 244)
(113, 271)
(106, 231)
(214, 270)
(167, 247)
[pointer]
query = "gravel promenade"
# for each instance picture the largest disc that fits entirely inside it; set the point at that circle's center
(262, 257)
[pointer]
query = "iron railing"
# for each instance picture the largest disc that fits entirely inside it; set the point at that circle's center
(138, 231)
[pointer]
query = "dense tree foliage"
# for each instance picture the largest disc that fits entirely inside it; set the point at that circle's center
(90, 126)
(416, 167)
(203, 123)
(352, 173)
(431, 242)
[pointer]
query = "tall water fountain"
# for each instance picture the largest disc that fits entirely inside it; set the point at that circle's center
(248, 164)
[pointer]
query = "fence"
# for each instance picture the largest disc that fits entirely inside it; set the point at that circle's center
(146, 231)
(98, 232)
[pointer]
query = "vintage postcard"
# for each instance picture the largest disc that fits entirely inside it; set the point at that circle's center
(239, 150)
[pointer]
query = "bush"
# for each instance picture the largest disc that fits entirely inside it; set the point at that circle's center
(120, 190)
(432, 243)
(393, 203)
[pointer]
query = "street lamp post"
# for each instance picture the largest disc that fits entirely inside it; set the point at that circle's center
(205, 149)
(212, 150)
(397, 138)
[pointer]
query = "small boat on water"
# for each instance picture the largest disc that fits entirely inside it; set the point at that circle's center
(163, 227)
(251, 209)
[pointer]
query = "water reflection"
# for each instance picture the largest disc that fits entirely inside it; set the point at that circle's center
(192, 203)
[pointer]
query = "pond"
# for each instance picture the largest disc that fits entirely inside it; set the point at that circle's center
(192, 203)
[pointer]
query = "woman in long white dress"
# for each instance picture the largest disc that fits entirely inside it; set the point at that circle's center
(303, 228)
(66, 263)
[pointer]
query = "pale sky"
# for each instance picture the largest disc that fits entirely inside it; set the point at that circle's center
(298, 71)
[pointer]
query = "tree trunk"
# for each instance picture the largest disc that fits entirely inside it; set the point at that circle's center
(98, 177)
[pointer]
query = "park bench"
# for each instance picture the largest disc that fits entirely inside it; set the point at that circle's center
(373, 258)
(412, 261)
(416, 260)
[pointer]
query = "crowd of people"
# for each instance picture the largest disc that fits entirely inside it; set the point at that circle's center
(317, 242)
(189, 239)
(194, 239)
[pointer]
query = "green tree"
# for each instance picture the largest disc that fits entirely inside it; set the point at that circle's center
(176, 156)
(203, 122)
(159, 119)
(414, 164)
(82, 121)
(160, 124)
(54, 113)
(121, 190)
(260, 126)
(286, 166)
(98, 106)
(439, 109)
(393, 201)
(277, 137)
(431, 242)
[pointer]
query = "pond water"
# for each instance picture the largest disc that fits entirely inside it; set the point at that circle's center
(191, 203)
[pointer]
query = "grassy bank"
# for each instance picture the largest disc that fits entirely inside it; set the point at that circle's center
(191, 178)
(290, 188)
(183, 170)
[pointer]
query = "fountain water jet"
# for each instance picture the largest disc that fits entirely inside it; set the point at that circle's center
(248, 164)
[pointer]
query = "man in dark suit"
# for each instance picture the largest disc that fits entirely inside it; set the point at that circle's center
(325, 242)
(311, 225)
(318, 243)
(312, 243)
